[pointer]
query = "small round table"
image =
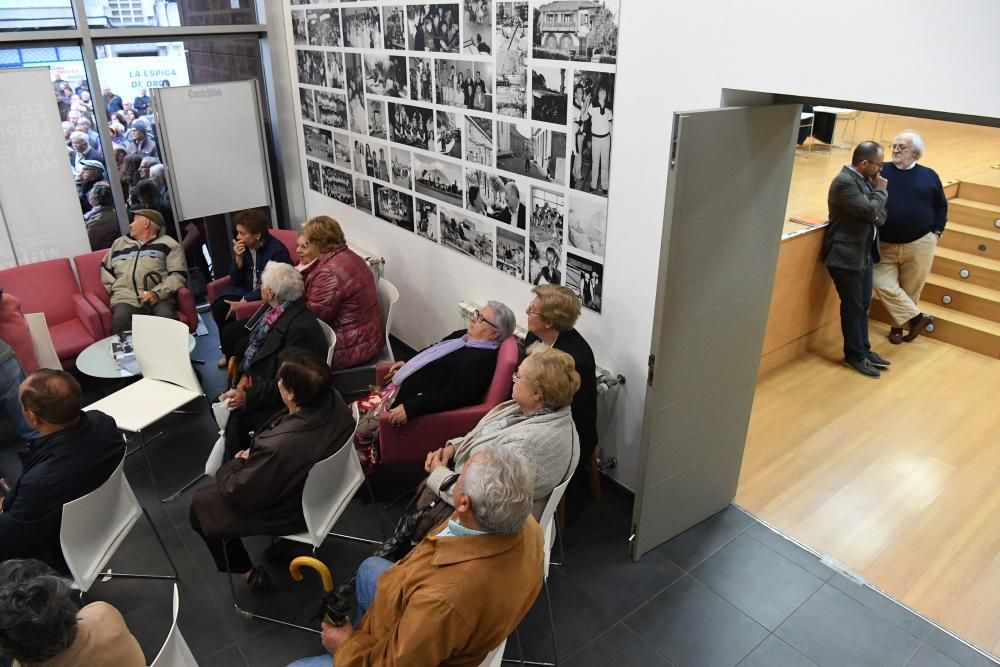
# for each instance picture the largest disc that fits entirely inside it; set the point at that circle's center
(98, 361)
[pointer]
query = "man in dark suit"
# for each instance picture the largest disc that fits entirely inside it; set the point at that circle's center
(856, 201)
(514, 213)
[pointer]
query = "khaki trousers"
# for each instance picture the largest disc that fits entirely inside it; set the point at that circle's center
(900, 276)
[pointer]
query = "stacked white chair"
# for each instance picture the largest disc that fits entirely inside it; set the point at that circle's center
(175, 651)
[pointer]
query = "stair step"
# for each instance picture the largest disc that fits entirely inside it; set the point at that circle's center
(983, 271)
(974, 213)
(964, 297)
(989, 194)
(973, 240)
(959, 329)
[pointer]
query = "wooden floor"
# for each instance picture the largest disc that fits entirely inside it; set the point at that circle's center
(897, 478)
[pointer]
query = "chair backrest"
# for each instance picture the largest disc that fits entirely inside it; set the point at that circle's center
(94, 525)
(387, 295)
(45, 352)
(175, 651)
(88, 270)
(547, 520)
(508, 357)
(161, 349)
(329, 488)
(331, 339)
(495, 657)
(288, 237)
(44, 287)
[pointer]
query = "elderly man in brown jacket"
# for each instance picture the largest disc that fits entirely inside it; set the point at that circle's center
(462, 590)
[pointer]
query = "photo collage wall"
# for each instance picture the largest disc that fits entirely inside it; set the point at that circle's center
(482, 125)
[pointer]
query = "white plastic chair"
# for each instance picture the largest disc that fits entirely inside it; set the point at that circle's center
(175, 651)
(168, 382)
(41, 340)
(388, 295)
(495, 657)
(95, 525)
(331, 339)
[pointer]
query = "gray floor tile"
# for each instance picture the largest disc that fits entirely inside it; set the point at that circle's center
(765, 586)
(619, 647)
(772, 652)
(701, 541)
(793, 552)
(833, 630)
(278, 645)
(929, 657)
(691, 625)
(895, 612)
(227, 657)
(958, 651)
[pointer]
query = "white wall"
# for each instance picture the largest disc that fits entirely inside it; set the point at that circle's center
(679, 57)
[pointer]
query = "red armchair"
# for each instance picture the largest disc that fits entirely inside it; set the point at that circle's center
(410, 444)
(88, 267)
(245, 310)
(50, 287)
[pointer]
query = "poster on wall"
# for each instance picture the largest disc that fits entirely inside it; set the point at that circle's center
(484, 126)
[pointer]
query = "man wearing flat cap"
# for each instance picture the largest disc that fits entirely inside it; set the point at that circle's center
(91, 172)
(143, 271)
(139, 141)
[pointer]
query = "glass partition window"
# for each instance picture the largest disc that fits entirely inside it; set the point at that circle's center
(161, 13)
(18, 15)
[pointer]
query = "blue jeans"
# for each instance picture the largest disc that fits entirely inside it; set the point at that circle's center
(11, 377)
(369, 572)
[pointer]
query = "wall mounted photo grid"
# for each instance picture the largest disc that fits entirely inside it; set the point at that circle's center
(484, 126)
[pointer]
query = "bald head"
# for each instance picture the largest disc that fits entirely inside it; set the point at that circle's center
(51, 398)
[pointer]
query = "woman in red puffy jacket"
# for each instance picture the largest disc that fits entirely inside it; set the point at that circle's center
(340, 290)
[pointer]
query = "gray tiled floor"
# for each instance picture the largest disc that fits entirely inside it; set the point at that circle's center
(726, 592)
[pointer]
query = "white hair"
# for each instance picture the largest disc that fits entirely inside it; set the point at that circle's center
(505, 319)
(158, 175)
(76, 135)
(916, 142)
(500, 484)
(283, 280)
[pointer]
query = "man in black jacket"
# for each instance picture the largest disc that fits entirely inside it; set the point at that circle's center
(76, 453)
(857, 209)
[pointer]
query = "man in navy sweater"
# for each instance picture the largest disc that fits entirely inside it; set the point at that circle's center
(916, 213)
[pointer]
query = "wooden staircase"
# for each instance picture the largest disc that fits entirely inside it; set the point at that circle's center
(963, 289)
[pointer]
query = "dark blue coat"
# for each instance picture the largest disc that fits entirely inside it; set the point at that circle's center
(270, 250)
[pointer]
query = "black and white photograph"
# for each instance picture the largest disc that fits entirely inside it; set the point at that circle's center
(366, 156)
(426, 216)
(394, 206)
(299, 34)
(401, 169)
(363, 194)
(315, 179)
(394, 27)
(479, 140)
(335, 75)
(496, 197)
(548, 215)
(311, 67)
(531, 151)
(586, 278)
(433, 28)
(549, 94)
(466, 84)
(438, 178)
(386, 75)
(467, 235)
(377, 119)
(354, 73)
(511, 50)
(319, 143)
(324, 27)
(580, 30)
(362, 27)
(331, 109)
(420, 79)
(342, 150)
(510, 252)
(308, 104)
(478, 27)
(411, 125)
(337, 184)
(449, 134)
(588, 219)
(592, 119)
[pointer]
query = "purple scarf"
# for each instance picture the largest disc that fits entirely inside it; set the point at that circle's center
(437, 351)
(258, 335)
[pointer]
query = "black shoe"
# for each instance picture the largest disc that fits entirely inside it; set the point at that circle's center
(864, 367)
(878, 361)
(921, 322)
(259, 580)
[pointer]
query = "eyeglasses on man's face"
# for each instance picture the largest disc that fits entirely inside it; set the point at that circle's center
(478, 317)
(902, 147)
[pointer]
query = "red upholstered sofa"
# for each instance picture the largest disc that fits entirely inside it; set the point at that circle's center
(410, 443)
(245, 310)
(88, 267)
(50, 287)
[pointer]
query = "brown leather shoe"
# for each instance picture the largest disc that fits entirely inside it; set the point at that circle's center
(918, 328)
(896, 335)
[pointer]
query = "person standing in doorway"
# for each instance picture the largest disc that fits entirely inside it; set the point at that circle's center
(857, 202)
(915, 218)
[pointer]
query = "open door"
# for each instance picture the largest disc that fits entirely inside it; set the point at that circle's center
(730, 172)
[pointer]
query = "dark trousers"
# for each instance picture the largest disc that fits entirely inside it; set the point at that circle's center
(855, 290)
(121, 313)
(239, 559)
(233, 337)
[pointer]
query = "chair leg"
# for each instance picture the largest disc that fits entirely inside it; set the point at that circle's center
(149, 464)
(174, 496)
(520, 650)
(249, 614)
(126, 575)
(552, 634)
(383, 519)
